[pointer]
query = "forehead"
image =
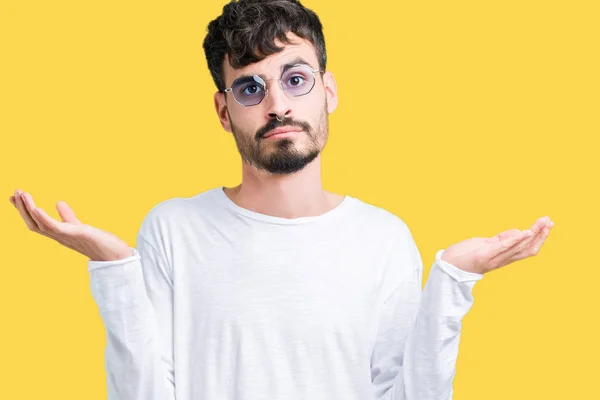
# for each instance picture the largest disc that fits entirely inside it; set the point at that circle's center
(270, 67)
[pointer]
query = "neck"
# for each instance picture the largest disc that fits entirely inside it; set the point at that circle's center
(286, 196)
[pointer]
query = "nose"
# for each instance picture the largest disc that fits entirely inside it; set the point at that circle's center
(277, 101)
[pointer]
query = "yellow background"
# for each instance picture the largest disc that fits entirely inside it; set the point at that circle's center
(465, 118)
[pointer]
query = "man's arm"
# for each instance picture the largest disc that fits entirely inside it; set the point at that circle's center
(414, 357)
(135, 300)
(134, 295)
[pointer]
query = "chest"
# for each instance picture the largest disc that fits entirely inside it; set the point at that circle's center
(295, 286)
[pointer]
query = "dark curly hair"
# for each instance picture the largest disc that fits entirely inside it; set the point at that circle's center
(247, 29)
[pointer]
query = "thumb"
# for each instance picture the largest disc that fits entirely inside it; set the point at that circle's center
(66, 213)
(502, 236)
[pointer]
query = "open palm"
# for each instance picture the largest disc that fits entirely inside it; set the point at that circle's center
(481, 255)
(95, 243)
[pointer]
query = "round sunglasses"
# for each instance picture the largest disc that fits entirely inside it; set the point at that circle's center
(296, 80)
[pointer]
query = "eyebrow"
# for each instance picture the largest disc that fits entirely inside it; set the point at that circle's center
(294, 62)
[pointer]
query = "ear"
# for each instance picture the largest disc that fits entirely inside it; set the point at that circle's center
(330, 91)
(221, 109)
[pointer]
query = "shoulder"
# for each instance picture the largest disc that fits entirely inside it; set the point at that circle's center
(401, 254)
(170, 214)
(389, 224)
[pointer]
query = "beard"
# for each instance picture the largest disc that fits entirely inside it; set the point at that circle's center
(282, 156)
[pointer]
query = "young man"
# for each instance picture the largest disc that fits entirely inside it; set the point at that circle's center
(276, 288)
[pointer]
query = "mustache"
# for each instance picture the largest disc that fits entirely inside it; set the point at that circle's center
(287, 122)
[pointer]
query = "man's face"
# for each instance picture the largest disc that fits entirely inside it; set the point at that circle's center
(307, 114)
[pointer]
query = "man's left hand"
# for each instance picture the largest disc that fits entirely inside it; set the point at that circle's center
(481, 255)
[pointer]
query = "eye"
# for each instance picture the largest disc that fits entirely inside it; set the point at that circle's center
(251, 89)
(296, 80)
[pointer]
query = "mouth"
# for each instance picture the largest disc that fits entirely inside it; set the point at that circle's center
(281, 132)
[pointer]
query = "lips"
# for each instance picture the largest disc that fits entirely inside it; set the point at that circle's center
(281, 130)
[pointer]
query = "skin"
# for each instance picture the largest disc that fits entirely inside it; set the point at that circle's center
(482, 255)
(290, 194)
(281, 176)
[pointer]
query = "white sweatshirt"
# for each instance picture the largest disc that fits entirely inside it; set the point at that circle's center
(222, 303)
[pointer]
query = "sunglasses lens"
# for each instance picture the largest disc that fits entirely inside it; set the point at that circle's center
(298, 80)
(249, 91)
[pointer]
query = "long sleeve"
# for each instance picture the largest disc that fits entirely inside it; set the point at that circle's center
(135, 300)
(415, 353)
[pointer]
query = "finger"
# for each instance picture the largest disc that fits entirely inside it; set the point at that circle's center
(505, 244)
(534, 247)
(51, 226)
(507, 234)
(23, 211)
(516, 257)
(30, 206)
(502, 236)
(538, 225)
(522, 245)
(501, 252)
(66, 213)
(12, 200)
(535, 230)
(538, 229)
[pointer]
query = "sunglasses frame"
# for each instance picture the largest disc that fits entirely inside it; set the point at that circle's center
(264, 81)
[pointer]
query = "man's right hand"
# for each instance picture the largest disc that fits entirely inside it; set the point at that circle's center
(92, 242)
